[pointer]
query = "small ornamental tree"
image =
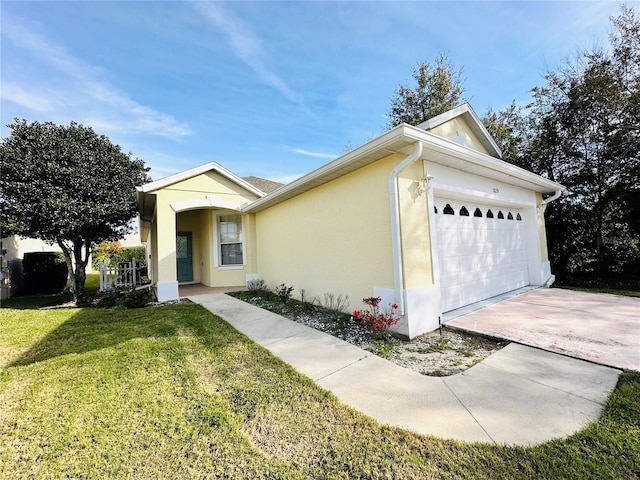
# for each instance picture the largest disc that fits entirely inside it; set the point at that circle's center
(69, 186)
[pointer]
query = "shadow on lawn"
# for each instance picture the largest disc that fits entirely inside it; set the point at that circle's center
(94, 328)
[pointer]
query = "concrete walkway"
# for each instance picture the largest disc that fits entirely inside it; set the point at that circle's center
(520, 395)
(597, 327)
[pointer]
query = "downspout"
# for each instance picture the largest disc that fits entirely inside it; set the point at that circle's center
(544, 204)
(553, 197)
(396, 241)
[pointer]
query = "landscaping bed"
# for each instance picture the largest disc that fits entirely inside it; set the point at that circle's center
(439, 353)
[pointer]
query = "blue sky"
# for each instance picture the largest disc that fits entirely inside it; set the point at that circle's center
(272, 89)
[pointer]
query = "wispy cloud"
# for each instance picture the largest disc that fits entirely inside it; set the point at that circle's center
(121, 114)
(248, 47)
(307, 153)
(34, 100)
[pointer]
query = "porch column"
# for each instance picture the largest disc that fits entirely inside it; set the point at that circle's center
(167, 286)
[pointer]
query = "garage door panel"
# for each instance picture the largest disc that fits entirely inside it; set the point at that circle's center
(479, 257)
(448, 237)
(450, 268)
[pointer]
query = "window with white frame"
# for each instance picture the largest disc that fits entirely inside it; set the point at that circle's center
(230, 238)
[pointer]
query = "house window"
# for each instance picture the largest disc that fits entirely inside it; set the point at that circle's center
(230, 237)
(464, 212)
(448, 210)
(477, 213)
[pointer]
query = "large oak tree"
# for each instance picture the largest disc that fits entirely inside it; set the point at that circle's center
(67, 185)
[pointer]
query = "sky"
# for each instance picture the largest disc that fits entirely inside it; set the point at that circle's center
(271, 89)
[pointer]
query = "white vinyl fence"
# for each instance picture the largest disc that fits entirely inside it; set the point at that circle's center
(124, 274)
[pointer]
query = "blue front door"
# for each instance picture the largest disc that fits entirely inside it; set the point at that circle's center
(184, 257)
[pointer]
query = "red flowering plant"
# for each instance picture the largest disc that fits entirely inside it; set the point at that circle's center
(378, 321)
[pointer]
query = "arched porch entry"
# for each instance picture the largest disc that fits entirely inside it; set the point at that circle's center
(212, 245)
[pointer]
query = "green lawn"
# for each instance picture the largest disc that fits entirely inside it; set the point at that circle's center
(175, 392)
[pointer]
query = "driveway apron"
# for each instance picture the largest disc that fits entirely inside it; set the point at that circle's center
(519, 396)
(596, 327)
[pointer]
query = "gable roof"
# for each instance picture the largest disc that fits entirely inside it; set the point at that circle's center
(194, 172)
(475, 124)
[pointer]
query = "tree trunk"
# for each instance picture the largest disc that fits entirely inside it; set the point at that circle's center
(67, 258)
(80, 274)
(76, 264)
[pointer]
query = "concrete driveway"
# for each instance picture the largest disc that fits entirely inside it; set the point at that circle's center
(597, 327)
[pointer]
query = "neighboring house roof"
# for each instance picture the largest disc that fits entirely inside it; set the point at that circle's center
(194, 172)
(267, 186)
(474, 123)
(401, 140)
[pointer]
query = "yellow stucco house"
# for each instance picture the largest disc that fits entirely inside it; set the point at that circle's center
(424, 216)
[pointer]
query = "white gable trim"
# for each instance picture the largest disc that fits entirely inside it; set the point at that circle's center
(475, 123)
(211, 201)
(194, 172)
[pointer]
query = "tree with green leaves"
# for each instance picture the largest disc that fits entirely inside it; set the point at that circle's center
(438, 89)
(583, 130)
(69, 186)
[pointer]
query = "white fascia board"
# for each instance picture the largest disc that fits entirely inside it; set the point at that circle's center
(434, 142)
(464, 109)
(194, 172)
(444, 117)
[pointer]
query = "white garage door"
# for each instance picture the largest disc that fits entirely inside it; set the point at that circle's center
(481, 251)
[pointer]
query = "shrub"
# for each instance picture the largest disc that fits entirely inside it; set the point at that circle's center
(129, 297)
(44, 273)
(379, 322)
(113, 253)
(139, 254)
(108, 299)
(256, 285)
(284, 292)
(83, 299)
(336, 304)
(134, 298)
(105, 251)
